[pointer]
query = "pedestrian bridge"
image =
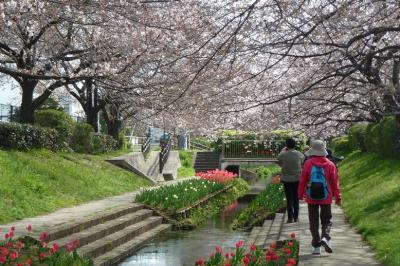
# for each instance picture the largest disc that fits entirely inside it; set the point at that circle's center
(254, 152)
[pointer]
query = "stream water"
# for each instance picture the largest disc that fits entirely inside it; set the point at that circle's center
(181, 248)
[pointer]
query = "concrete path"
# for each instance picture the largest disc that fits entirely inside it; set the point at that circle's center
(46, 222)
(348, 247)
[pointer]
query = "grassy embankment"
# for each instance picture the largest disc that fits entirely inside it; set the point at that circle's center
(186, 169)
(41, 181)
(371, 200)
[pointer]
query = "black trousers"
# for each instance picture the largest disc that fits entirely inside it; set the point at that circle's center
(314, 215)
(292, 200)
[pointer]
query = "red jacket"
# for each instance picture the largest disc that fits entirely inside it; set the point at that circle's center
(331, 176)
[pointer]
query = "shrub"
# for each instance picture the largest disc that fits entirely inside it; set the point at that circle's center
(341, 145)
(122, 142)
(357, 137)
(103, 143)
(25, 137)
(55, 119)
(369, 140)
(82, 138)
(389, 137)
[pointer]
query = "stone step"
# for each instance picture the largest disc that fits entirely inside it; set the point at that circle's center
(276, 229)
(116, 239)
(101, 230)
(263, 234)
(251, 239)
(87, 222)
(127, 249)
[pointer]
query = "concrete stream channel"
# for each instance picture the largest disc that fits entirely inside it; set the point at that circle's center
(181, 248)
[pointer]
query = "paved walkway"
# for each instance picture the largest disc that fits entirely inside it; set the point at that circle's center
(348, 247)
(46, 222)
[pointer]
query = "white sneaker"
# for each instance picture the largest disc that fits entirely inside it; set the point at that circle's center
(325, 243)
(316, 250)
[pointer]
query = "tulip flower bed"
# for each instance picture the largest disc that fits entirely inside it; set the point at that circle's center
(27, 251)
(268, 202)
(169, 199)
(219, 176)
(283, 253)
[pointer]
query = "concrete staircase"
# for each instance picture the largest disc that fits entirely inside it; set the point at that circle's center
(269, 232)
(111, 236)
(206, 160)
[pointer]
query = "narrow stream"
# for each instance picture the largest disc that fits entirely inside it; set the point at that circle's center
(181, 248)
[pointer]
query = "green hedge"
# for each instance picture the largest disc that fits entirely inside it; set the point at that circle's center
(341, 145)
(58, 120)
(82, 138)
(102, 143)
(357, 137)
(389, 141)
(85, 140)
(26, 137)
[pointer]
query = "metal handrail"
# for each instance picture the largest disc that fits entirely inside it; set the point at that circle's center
(165, 149)
(252, 148)
(199, 145)
(146, 145)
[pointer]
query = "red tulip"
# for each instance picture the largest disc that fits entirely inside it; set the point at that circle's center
(29, 228)
(253, 247)
(293, 235)
(199, 262)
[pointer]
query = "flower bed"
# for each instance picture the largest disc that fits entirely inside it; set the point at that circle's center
(268, 202)
(219, 176)
(279, 253)
(172, 198)
(27, 251)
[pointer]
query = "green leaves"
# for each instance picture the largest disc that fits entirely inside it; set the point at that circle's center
(271, 200)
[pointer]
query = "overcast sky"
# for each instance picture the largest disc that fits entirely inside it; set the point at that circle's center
(9, 94)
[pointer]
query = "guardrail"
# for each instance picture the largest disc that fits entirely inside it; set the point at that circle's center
(146, 145)
(247, 149)
(165, 149)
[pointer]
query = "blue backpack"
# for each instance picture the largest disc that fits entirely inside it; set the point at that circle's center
(317, 188)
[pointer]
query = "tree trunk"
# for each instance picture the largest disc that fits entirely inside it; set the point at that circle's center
(27, 108)
(91, 109)
(113, 128)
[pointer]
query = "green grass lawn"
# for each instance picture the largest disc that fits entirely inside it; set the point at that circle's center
(371, 200)
(186, 169)
(41, 181)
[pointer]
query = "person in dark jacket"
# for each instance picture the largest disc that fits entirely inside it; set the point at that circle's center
(320, 209)
(291, 162)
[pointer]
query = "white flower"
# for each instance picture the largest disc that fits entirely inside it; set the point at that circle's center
(166, 198)
(175, 196)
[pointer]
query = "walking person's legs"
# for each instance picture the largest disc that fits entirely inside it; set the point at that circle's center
(326, 216)
(313, 217)
(295, 186)
(289, 201)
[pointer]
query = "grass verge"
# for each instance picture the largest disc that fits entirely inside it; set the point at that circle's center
(186, 170)
(199, 215)
(371, 200)
(40, 181)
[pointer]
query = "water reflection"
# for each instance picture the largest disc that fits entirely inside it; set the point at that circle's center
(178, 248)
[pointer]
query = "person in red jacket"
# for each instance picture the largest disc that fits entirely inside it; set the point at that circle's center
(317, 161)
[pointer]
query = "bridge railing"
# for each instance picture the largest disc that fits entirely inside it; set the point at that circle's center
(252, 149)
(164, 153)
